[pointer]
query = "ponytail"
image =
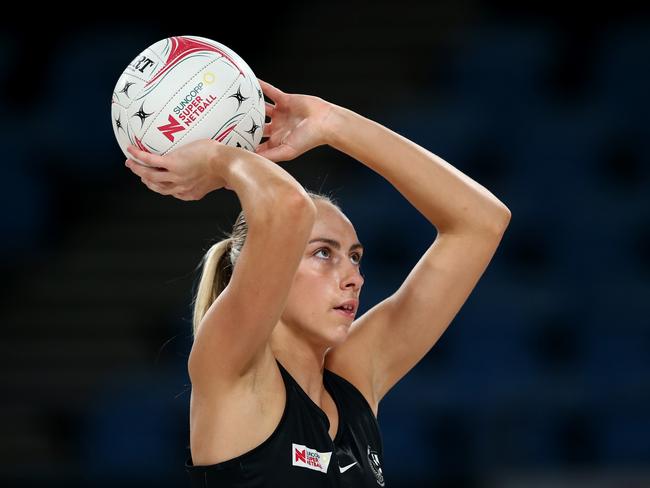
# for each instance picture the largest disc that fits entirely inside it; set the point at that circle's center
(217, 270)
(219, 262)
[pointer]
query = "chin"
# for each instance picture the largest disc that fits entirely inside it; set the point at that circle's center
(340, 335)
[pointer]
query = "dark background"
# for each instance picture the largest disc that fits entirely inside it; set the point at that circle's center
(542, 379)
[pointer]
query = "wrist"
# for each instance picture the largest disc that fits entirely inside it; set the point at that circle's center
(332, 123)
(220, 164)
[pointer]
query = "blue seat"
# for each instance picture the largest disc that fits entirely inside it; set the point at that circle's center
(27, 200)
(131, 429)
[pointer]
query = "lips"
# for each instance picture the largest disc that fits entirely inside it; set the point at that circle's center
(345, 313)
(349, 307)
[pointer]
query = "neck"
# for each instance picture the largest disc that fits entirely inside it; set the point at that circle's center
(304, 360)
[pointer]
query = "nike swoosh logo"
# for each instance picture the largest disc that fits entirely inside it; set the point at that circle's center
(343, 470)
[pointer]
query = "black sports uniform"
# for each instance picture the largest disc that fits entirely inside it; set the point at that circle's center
(300, 452)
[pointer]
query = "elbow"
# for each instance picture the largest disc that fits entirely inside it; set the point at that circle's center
(493, 224)
(297, 212)
(300, 202)
(506, 215)
(283, 203)
(501, 220)
(298, 207)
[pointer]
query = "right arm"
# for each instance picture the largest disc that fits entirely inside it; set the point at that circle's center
(235, 330)
(237, 326)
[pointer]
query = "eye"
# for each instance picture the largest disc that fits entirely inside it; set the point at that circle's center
(357, 255)
(322, 249)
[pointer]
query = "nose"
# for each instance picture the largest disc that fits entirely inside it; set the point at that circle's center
(352, 277)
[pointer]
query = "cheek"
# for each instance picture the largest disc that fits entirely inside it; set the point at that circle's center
(308, 293)
(311, 273)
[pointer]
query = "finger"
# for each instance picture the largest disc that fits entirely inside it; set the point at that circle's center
(268, 130)
(158, 188)
(154, 175)
(269, 109)
(147, 158)
(283, 152)
(270, 91)
(141, 157)
(148, 184)
(265, 146)
(166, 187)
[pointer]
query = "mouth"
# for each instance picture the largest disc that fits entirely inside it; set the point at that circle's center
(346, 313)
(348, 308)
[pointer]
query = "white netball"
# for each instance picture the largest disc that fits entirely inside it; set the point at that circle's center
(185, 88)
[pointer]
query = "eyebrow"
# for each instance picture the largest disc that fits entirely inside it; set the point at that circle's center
(336, 244)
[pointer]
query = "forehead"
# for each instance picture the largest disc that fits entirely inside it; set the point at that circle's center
(331, 222)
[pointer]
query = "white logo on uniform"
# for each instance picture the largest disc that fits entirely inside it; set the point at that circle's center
(307, 457)
(344, 469)
(373, 458)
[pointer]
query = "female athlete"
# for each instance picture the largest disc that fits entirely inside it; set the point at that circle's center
(286, 380)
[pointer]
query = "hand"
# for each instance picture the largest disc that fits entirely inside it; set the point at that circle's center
(188, 173)
(296, 125)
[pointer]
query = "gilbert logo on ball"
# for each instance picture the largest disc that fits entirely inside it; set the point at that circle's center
(186, 88)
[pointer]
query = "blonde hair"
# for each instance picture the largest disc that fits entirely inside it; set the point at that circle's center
(220, 260)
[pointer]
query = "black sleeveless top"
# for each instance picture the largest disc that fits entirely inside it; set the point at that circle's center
(300, 451)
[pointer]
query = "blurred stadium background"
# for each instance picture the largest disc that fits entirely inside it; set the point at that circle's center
(543, 378)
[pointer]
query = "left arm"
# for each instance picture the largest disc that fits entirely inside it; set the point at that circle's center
(396, 333)
(391, 338)
(449, 199)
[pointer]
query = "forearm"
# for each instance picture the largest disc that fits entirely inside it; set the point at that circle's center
(263, 187)
(445, 196)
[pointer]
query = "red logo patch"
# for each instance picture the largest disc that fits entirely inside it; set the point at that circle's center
(170, 129)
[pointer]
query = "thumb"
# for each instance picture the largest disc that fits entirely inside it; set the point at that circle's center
(283, 152)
